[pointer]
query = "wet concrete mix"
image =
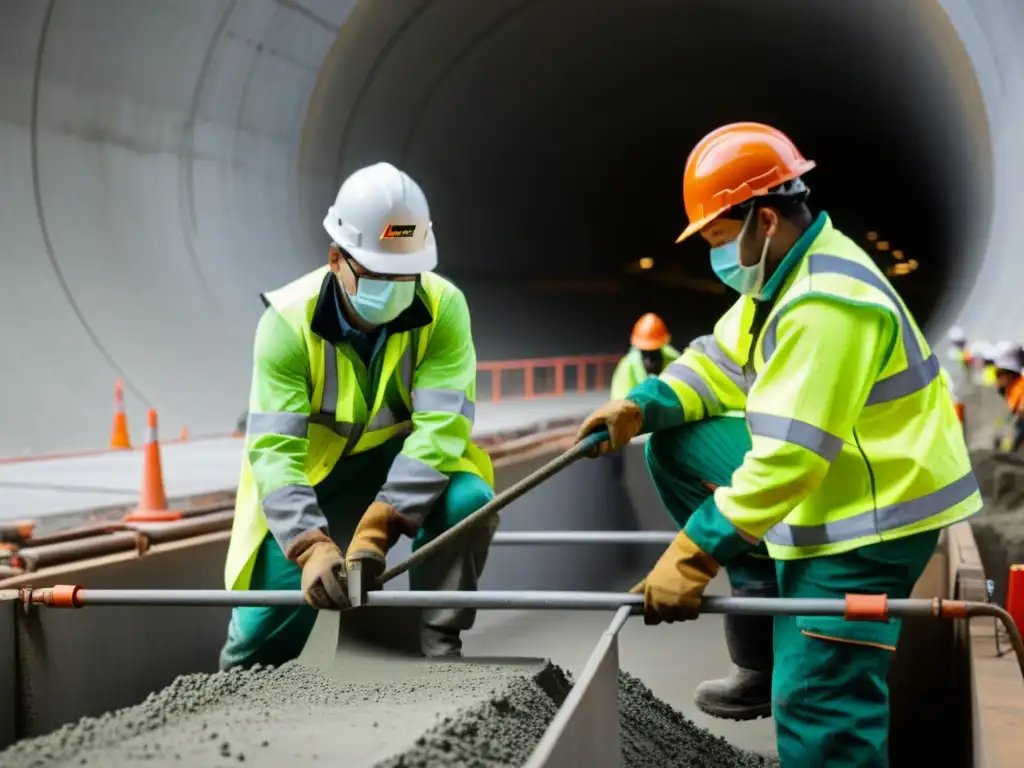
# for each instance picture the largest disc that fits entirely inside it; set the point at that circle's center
(469, 715)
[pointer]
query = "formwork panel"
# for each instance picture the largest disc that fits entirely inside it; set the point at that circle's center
(585, 732)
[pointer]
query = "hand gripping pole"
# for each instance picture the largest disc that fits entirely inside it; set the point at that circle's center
(359, 586)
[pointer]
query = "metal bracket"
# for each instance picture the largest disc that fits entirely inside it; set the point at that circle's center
(363, 577)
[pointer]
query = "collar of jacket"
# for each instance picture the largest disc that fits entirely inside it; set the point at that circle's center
(328, 321)
(822, 224)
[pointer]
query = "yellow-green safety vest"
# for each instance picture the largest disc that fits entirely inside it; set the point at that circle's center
(903, 469)
(340, 422)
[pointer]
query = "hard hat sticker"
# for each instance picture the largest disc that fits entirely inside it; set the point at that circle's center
(398, 230)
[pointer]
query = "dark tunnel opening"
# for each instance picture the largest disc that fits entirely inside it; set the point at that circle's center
(551, 136)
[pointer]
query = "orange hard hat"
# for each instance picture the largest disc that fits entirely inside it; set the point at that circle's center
(650, 333)
(733, 164)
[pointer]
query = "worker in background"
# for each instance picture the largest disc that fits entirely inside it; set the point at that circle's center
(957, 371)
(360, 413)
(987, 367)
(856, 460)
(1009, 364)
(977, 351)
(650, 353)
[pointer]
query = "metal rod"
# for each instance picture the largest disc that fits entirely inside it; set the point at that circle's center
(517, 538)
(1004, 616)
(506, 599)
(494, 599)
(191, 597)
(586, 446)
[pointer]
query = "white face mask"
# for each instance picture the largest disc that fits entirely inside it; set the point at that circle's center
(379, 302)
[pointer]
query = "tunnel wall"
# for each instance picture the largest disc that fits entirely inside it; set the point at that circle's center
(165, 161)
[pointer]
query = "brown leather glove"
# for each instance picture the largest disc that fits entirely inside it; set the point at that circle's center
(622, 419)
(673, 589)
(323, 569)
(378, 530)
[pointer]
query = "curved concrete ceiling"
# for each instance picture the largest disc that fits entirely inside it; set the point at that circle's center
(164, 161)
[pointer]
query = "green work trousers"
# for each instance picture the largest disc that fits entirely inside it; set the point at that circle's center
(276, 635)
(830, 694)
(686, 464)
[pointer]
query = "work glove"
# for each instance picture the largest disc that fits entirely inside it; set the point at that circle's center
(324, 582)
(378, 530)
(622, 419)
(673, 589)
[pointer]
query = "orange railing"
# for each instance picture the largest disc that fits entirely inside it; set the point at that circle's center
(544, 376)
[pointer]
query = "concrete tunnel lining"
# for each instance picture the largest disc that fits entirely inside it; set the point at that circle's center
(153, 191)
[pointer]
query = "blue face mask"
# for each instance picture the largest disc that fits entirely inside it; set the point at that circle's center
(725, 261)
(379, 302)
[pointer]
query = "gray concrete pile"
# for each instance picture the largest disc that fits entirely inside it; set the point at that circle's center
(447, 714)
(999, 528)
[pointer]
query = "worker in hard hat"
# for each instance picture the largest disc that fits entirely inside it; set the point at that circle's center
(856, 459)
(360, 414)
(650, 352)
(1009, 364)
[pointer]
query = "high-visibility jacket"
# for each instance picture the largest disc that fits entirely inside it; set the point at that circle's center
(630, 370)
(1015, 396)
(988, 375)
(855, 439)
(313, 402)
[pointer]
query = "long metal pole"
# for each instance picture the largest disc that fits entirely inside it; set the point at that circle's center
(76, 597)
(489, 599)
(516, 538)
(584, 447)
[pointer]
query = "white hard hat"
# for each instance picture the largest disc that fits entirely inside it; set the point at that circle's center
(382, 220)
(1002, 346)
(956, 335)
(1008, 358)
(980, 349)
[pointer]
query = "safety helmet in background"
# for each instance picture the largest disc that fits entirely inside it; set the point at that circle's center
(957, 336)
(650, 333)
(979, 350)
(1002, 347)
(382, 220)
(1008, 358)
(736, 163)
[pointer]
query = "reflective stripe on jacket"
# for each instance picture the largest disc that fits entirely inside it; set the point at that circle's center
(854, 436)
(313, 403)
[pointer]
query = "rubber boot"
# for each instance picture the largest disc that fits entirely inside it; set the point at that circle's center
(746, 693)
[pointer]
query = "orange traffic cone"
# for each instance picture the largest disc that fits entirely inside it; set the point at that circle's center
(152, 499)
(119, 431)
(183, 435)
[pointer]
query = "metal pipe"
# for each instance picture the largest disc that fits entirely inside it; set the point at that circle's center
(484, 599)
(1002, 615)
(517, 538)
(586, 446)
(77, 549)
(509, 600)
(853, 607)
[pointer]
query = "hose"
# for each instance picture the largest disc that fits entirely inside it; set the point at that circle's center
(586, 447)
